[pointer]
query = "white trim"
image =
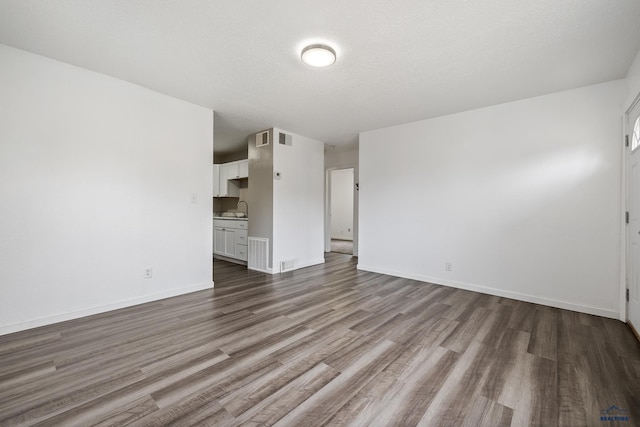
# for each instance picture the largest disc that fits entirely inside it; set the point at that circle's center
(327, 206)
(633, 104)
(624, 304)
(21, 326)
(622, 297)
(272, 271)
(308, 264)
(327, 209)
(316, 262)
(498, 292)
(311, 263)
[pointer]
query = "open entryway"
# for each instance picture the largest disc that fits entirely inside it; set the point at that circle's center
(340, 222)
(633, 228)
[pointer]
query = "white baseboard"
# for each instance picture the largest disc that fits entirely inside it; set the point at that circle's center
(310, 263)
(21, 326)
(274, 271)
(304, 265)
(603, 312)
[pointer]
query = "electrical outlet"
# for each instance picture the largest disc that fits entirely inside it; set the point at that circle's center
(148, 273)
(448, 266)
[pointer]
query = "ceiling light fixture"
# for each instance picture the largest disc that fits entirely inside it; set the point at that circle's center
(318, 55)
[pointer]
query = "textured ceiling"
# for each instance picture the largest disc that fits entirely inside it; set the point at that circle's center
(397, 61)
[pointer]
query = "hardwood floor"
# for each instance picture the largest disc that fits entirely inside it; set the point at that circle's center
(326, 345)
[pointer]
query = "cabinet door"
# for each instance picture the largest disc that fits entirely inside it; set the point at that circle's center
(230, 243)
(218, 240)
(216, 180)
(229, 170)
(243, 169)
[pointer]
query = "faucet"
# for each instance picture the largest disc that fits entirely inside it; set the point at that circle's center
(246, 210)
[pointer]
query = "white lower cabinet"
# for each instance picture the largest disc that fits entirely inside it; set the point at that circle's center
(218, 240)
(241, 244)
(230, 238)
(229, 242)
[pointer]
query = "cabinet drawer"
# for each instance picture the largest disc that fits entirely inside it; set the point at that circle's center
(241, 237)
(241, 252)
(223, 223)
(230, 223)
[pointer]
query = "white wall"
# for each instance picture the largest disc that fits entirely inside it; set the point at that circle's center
(633, 82)
(339, 159)
(524, 199)
(97, 176)
(298, 202)
(342, 204)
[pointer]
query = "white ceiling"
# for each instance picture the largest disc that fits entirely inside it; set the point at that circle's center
(398, 61)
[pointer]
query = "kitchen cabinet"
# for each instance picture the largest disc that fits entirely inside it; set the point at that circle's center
(236, 170)
(224, 242)
(219, 240)
(241, 245)
(228, 187)
(230, 239)
(228, 175)
(229, 242)
(243, 169)
(216, 180)
(228, 171)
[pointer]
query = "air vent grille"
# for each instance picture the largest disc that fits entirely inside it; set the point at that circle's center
(286, 265)
(258, 254)
(262, 139)
(284, 139)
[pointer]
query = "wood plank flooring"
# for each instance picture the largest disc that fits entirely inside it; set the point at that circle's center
(325, 345)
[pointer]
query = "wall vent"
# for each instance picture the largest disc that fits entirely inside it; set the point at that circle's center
(262, 138)
(258, 254)
(284, 139)
(286, 265)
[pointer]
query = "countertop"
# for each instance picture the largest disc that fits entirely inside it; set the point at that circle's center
(231, 218)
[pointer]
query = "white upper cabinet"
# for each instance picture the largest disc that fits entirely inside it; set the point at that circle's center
(216, 180)
(227, 173)
(236, 170)
(222, 187)
(243, 169)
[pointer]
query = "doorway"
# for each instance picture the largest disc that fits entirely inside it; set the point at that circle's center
(341, 222)
(633, 208)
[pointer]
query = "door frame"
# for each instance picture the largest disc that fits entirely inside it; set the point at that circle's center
(626, 158)
(327, 206)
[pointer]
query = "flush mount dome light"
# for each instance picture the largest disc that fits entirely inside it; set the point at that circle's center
(318, 55)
